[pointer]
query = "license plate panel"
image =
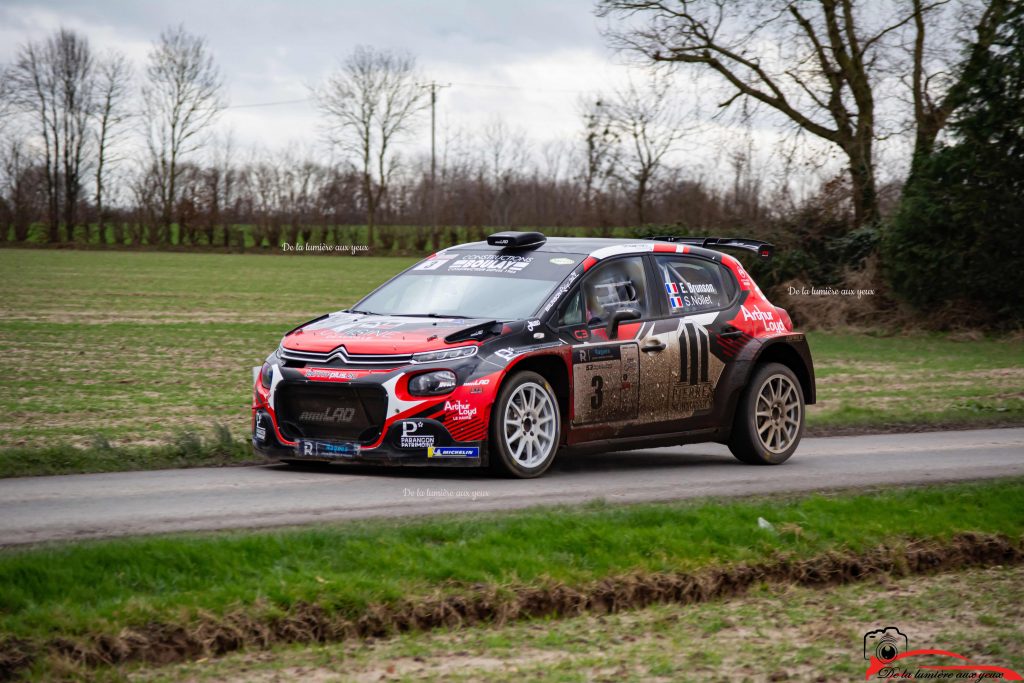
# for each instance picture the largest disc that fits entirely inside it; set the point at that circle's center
(328, 450)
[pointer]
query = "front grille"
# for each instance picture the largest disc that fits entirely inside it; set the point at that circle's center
(345, 412)
(340, 356)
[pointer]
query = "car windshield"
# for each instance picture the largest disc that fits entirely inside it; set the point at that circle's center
(472, 285)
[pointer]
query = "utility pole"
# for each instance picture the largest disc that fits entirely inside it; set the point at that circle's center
(433, 87)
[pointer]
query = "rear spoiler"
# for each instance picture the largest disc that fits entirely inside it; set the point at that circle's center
(762, 249)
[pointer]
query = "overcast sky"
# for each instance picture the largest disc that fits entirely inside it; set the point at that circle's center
(526, 61)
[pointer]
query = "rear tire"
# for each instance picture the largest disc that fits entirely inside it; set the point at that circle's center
(525, 426)
(769, 419)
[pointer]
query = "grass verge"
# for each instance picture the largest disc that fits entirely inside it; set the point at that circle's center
(784, 634)
(159, 599)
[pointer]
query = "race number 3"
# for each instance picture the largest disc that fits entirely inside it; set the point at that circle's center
(598, 398)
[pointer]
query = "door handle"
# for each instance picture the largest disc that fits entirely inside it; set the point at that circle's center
(732, 334)
(653, 345)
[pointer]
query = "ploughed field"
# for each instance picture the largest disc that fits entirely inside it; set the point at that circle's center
(106, 350)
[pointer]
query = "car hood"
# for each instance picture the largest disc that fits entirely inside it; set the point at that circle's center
(382, 334)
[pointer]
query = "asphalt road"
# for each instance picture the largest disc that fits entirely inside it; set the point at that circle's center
(37, 509)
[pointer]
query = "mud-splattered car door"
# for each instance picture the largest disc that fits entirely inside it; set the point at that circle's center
(606, 358)
(681, 379)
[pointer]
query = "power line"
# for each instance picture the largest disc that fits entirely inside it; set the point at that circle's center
(499, 86)
(273, 103)
(484, 86)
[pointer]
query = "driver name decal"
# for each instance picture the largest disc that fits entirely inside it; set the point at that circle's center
(683, 294)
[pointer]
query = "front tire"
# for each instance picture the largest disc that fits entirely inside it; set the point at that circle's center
(525, 426)
(770, 417)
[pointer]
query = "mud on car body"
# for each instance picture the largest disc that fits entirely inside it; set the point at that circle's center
(505, 351)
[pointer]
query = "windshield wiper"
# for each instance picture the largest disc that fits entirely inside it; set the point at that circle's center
(352, 310)
(432, 315)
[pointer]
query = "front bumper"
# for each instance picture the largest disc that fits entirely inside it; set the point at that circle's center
(433, 447)
(368, 416)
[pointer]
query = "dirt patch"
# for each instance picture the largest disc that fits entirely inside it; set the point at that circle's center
(464, 605)
(446, 666)
(996, 422)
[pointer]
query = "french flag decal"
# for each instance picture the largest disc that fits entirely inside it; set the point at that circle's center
(672, 288)
(675, 301)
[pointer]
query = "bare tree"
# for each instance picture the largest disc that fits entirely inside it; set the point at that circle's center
(222, 189)
(506, 154)
(650, 124)
(111, 112)
(7, 108)
(818, 63)
(369, 102)
(934, 93)
(53, 82)
(555, 156)
(600, 151)
(181, 98)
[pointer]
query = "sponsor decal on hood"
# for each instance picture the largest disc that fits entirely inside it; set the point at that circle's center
(377, 334)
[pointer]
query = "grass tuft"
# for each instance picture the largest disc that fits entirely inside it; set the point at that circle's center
(186, 449)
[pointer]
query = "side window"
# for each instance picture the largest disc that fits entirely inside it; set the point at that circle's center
(613, 285)
(694, 285)
(571, 310)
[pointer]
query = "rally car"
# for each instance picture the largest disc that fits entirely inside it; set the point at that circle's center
(501, 353)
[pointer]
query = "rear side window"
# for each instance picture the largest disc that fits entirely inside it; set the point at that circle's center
(693, 285)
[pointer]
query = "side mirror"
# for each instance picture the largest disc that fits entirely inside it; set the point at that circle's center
(617, 317)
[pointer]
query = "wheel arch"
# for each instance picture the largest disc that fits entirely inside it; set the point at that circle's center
(794, 355)
(553, 368)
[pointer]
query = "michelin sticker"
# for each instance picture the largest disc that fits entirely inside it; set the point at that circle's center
(453, 452)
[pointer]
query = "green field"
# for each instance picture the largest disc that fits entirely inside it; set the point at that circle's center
(127, 349)
(243, 579)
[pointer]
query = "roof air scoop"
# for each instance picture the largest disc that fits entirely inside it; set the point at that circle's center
(516, 240)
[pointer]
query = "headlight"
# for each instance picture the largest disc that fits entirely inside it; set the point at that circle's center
(432, 383)
(266, 375)
(444, 354)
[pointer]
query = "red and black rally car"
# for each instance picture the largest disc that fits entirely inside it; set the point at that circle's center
(502, 352)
